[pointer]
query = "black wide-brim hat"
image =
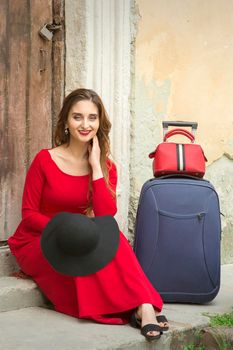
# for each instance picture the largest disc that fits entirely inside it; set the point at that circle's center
(77, 245)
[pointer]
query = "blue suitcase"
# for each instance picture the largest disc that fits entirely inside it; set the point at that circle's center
(177, 238)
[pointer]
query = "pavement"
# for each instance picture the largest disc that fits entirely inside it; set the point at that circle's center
(40, 328)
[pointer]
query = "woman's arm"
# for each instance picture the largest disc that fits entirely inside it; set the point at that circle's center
(33, 219)
(104, 202)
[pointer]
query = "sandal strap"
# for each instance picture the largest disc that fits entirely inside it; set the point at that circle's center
(134, 321)
(150, 327)
(162, 318)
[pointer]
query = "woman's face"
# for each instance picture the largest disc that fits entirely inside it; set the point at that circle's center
(83, 121)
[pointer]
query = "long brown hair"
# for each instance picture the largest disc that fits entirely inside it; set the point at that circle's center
(61, 137)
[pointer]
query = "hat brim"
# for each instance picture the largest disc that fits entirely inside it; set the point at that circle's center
(87, 264)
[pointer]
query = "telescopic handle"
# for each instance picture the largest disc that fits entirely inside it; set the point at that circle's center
(168, 123)
(192, 125)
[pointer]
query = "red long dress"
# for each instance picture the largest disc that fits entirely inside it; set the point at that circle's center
(107, 296)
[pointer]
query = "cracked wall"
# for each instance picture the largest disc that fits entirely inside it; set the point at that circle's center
(183, 71)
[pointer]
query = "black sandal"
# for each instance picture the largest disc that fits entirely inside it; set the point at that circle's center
(162, 319)
(136, 323)
(151, 328)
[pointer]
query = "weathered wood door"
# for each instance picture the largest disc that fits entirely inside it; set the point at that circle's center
(31, 90)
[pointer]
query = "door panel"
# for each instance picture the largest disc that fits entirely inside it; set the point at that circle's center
(40, 84)
(4, 164)
(26, 102)
(14, 113)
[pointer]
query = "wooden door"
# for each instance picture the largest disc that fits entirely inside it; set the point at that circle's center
(31, 91)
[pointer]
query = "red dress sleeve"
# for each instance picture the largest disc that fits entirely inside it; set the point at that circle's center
(33, 219)
(104, 202)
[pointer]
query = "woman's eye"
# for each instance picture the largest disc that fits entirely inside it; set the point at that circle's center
(92, 118)
(77, 117)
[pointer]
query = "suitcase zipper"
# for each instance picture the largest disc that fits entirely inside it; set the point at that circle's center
(200, 216)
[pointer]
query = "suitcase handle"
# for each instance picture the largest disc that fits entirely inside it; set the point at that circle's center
(179, 132)
(168, 123)
(192, 125)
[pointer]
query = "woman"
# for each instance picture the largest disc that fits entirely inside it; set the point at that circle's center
(77, 176)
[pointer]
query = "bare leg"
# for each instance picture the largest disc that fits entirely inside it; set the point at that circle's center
(147, 314)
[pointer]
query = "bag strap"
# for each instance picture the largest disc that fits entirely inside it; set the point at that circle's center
(173, 132)
(178, 131)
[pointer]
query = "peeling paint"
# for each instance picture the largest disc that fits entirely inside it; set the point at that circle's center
(183, 71)
(192, 50)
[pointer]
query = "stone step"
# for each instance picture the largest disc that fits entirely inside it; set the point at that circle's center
(217, 337)
(38, 328)
(32, 328)
(17, 293)
(8, 262)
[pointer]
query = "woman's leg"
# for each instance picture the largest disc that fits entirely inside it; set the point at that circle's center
(147, 314)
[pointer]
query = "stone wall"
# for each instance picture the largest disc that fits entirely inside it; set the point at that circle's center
(179, 68)
(183, 71)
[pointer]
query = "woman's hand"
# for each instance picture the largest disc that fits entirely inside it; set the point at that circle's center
(94, 153)
(94, 158)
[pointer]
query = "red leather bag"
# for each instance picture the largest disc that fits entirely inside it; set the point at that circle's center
(178, 158)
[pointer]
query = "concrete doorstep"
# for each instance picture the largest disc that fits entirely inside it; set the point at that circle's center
(16, 293)
(32, 328)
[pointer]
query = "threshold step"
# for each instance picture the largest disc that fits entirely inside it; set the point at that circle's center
(17, 293)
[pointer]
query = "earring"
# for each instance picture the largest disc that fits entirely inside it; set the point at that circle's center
(66, 131)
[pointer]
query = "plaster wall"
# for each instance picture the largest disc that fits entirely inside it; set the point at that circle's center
(98, 56)
(183, 71)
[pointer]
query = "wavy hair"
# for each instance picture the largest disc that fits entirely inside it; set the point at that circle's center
(61, 138)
